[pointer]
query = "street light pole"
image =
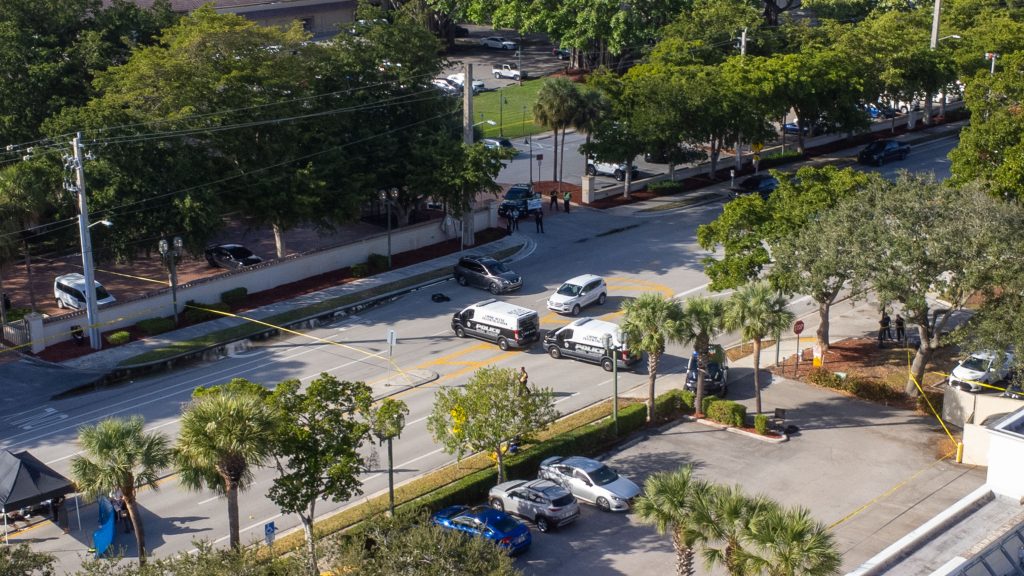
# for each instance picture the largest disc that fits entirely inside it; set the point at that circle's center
(171, 252)
(387, 196)
(613, 352)
(91, 312)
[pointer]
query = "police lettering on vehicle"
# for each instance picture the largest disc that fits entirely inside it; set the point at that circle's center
(590, 340)
(507, 325)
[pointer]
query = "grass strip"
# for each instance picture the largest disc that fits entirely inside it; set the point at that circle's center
(176, 349)
(430, 482)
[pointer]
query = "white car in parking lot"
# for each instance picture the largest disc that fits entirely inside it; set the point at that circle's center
(577, 293)
(983, 367)
(590, 481)
(498, 42)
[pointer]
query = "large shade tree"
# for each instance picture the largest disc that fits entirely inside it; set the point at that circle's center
(118, 454)
(226, 431)
(650, 322)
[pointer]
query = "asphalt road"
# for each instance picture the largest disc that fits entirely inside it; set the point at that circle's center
(654, 253)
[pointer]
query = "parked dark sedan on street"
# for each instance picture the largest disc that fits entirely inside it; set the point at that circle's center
(231, 256)
(881, 151)
(763, 184)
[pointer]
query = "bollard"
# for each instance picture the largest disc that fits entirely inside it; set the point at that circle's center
(959, 452)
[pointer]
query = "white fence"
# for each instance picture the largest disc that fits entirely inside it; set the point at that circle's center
(261, 277)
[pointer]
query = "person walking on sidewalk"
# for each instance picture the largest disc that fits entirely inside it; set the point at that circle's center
(565, 198)
(553, 206)
(538, 218)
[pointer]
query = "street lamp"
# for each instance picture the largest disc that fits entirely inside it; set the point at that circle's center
(171, 251)
(992, 56)
(387, 196)
(612, 351)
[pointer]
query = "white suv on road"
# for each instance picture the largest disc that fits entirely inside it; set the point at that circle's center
(577, 293)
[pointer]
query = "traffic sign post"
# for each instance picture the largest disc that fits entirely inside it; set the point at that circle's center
(798, 327)
(269, 530)
(391, 348)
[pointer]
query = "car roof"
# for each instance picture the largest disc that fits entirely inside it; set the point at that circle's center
(585, 464)
(546, 487)
(486, 260)
(582, 279)
(74, 279)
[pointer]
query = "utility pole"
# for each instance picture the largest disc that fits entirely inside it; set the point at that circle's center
(91, 312)
(743, 53)
(467, 106)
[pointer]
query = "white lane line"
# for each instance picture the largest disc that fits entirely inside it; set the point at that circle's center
(208, 500)
(692, 290)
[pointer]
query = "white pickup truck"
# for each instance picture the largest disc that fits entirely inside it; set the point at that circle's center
(508, 71)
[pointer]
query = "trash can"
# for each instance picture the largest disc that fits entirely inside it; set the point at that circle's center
(77, 334)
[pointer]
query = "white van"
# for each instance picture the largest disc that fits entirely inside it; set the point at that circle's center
(69, 291)
(508, 325)
(583, 339)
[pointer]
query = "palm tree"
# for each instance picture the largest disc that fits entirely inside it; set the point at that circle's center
(223, 435)
(649, 323)
(758, 311)
(118, 454)
(555, 108)
(666, 503)
(789, 542)
(726, 514)
(703, 318)
(592, 106)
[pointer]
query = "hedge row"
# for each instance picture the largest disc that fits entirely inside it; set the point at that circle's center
(856, 385)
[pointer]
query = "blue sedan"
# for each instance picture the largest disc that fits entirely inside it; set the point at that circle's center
(489, 523)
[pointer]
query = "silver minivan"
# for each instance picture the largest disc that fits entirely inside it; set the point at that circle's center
(69, 291)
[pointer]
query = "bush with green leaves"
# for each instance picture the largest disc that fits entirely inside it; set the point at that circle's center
(119, 337)
(196, 312)
(377, 262)
(728, 412)
(825, 378)
(154, 326)
(706, 403)
(235, 296)
(665, 187)
(360, 270)
(761, 424)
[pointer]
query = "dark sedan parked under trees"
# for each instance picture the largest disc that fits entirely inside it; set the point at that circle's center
(231, 256)
(881, 151)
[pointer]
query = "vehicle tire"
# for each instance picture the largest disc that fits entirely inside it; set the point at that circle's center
(460, 332)
(603, 504)
(60, 303)
(591, 171)
(542, 524)
(462, 280)
(602, 299)
(494, 289)
(554, 352)
(575, 310)
(497, 504)
(619, 175)
(607, 364)
(503, 344)
(515, 77)
(497, 76)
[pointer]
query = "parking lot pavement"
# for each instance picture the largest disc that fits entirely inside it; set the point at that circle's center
(873, 472)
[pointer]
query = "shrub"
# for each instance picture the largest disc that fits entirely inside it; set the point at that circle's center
(665, 187)
(687, 399)
(870, 389)
(669, 405)
(761, 424)
(194, 315)
(377, 262)
(728, 412)
(234, 296)
(825, 378)
(360, 270)
(119, 337)
(706, 403)
(153, 326)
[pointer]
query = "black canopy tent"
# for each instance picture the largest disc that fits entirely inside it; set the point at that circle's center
(25, 481)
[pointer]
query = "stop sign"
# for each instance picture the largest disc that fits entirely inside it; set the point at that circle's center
(798, 327)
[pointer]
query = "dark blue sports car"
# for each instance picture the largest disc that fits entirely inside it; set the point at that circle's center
(487, 522)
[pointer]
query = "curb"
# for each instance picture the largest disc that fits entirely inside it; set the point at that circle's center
(712, 424)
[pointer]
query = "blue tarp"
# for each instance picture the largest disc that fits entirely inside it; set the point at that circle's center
(103, 537)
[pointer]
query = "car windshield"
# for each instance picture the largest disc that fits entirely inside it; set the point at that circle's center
(502, 524)
(101, 293)
(976, 364)
(603, 475)
(517, 194)
(494, 266)
(570, 289)
(238, 252)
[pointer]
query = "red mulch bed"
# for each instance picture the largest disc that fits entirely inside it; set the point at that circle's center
(67, 350)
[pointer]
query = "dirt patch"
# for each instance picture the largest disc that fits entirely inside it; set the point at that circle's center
(68, 350)
(746, 349)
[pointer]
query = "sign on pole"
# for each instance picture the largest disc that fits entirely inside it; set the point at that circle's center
(798, 327)
(268, 533)
(391, 348)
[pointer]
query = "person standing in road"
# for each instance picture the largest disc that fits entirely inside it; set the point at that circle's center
(565, 198)
(901, 330)
(508, 223)
(554, 202)
(515, 219)
(538, 218)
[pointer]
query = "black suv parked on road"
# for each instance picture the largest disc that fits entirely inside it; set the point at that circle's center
(519, 197)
